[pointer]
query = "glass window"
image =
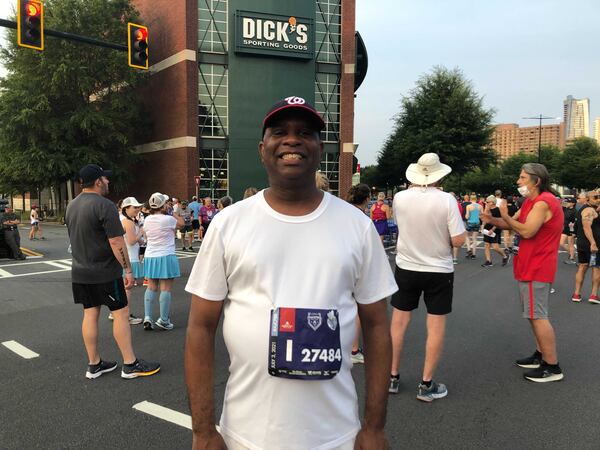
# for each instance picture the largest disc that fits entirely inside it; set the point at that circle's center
(327, 102)
(214, 173)
(212, 26)
(329, 31)
(213, 102)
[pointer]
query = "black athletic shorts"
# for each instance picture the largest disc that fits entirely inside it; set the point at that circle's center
(584, 255)
(566, 230)
(436, 288)
(111, 294)
(186, 229)
(493, 240)
(195, 224)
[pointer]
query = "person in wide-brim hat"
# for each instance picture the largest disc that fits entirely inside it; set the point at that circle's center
(427, 170)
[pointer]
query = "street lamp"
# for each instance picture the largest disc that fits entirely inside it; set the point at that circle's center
(540, 118)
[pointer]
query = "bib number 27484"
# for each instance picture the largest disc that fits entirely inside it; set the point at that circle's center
(305, 343)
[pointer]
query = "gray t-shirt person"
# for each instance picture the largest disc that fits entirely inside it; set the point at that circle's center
(91, 221)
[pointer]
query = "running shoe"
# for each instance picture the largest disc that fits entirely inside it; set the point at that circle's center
(139, 368)
(145, 283)
(134, 320)
(358, 357)
(394, 385)
(552, 290)
(473, 256)
(531, 362)
(505, 260)
(455, 261)
(96, 370)
(487, 264)
(594, 299)
(576, 298)
(570, 261)
(431, 393)
(148, 324)
(544, 374)
(164, 325)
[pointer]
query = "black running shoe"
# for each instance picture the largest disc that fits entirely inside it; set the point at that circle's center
(96, 370)
(487, 264)
(531, 362)
(140, 368)
(545, 373)
(506, 259)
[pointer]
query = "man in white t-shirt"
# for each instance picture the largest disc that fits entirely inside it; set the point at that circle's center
(290, 268)
(429, 226)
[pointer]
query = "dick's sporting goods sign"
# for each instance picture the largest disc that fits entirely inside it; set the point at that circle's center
(275, 35)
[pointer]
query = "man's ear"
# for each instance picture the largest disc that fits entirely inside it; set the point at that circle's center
(261, 149)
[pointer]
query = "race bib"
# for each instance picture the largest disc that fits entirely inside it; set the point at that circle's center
(305, 343)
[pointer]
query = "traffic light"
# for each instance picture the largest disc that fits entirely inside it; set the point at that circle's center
(138, 45)
(30, 24)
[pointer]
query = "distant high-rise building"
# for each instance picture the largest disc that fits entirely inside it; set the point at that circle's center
(597, 129)
(509, 139)
(576, 117)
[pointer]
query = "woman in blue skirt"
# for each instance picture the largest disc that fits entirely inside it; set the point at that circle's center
(161, 266)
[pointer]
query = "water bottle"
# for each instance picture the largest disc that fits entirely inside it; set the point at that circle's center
(593, 260)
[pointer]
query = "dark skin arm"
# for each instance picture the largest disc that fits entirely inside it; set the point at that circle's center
(378, 358)
(199, 372)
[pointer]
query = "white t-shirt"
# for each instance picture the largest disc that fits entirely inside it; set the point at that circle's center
(427, 218)
(256, 259)
(132, 250)
(160, 235)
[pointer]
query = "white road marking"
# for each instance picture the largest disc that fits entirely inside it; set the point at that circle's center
(20, 350)
(4, 273)
(170, 415)
(59, 264)
(167, 414)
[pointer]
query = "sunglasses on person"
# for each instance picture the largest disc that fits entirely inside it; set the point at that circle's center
(595, 197)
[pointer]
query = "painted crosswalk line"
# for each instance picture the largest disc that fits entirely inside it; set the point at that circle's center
(20, 350)
(170, 415)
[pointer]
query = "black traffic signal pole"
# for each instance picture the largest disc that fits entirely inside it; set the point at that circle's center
(70, 36)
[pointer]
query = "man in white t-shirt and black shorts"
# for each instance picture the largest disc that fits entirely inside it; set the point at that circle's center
(290, 296)
(429, 226)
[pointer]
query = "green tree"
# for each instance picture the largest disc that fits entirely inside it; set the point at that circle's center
(580, 164)
(443, 114)
(369, 176)
(73, 103)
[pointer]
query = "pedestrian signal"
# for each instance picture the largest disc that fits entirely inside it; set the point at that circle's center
(138, 45)
(30, 24)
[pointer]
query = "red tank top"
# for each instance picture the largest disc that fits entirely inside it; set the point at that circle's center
(379, 213)
(537, 257)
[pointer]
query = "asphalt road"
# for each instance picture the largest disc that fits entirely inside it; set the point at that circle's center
(46, 402)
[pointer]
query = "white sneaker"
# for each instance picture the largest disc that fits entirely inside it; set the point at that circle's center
(358, 358)
(164, 325)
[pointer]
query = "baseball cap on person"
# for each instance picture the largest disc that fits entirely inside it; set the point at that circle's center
(157, 200)
(130, 201)
(92, 172)
(293, 103)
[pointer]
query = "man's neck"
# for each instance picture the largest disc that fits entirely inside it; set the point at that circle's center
(91, 191)
(293, 201)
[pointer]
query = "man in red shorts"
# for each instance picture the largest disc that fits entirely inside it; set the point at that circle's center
(539, 223)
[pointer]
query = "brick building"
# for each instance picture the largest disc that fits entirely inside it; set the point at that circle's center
(509, 139)
(216, 68)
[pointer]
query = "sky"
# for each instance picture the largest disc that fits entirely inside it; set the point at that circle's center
(523, 56)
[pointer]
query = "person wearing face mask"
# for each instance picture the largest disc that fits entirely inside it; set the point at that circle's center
(539, 223)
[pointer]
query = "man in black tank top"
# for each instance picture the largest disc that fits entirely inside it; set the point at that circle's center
(588, 238)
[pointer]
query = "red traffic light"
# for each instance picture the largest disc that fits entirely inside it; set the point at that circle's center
(33, 9)
(141, 34)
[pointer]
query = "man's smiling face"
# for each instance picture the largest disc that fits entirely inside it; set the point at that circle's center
(291, 149)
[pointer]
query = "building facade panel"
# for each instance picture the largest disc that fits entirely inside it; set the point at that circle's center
(510, 139)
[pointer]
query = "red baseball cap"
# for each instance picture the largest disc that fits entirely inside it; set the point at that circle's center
(293, 103)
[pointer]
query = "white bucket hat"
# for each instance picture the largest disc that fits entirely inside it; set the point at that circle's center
(157, 200)
(130, 201)
(427, 170)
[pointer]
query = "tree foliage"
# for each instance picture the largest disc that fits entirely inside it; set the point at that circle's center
(73, 103)
(443, 114)
(580, 164)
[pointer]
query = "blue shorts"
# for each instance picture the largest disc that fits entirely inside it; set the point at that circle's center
(137, 268)
(161, 267)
